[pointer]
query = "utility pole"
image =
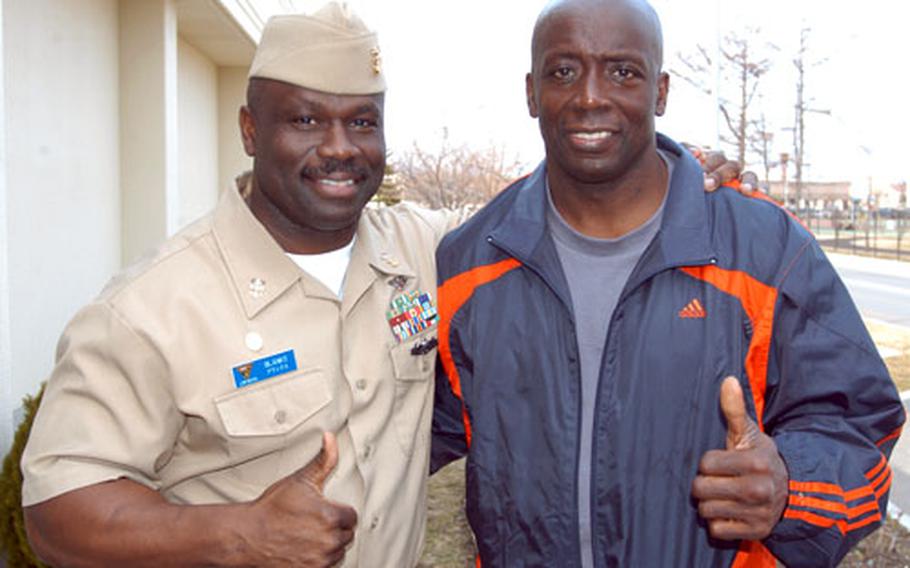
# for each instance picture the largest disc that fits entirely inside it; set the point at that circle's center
(784, 158)
(799, 142)
(802, 107)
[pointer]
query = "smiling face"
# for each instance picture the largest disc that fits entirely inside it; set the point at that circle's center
(319, 157)
(595, 87)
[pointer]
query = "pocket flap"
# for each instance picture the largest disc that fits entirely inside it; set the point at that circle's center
(275, 406)
(412, 364)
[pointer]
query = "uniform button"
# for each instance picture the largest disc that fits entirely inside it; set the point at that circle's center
(253, 341)
(281, 416)
(367, 451)
(374, 523)
(361, 384)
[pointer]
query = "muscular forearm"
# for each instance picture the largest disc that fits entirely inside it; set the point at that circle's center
(122, 523)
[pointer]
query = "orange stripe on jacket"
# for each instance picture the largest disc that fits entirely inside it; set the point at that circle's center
(873, 473)
(452, 295)
(833, 506)
(816, 503)
(884, 486)
(753, 554)
(861, 523)
(892, 436)
(816, 520)
(831, 489)
(756, 194)
(758, 301)
(879, 477)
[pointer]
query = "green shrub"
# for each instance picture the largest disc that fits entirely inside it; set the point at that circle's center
(12, 526)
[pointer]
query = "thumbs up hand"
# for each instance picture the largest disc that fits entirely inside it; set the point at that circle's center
(293, 524)
(741, 490)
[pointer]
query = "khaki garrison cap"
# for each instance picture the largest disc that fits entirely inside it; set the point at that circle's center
(330, 51)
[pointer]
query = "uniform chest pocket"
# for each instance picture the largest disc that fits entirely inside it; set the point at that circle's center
(275, 406)
(413, 363)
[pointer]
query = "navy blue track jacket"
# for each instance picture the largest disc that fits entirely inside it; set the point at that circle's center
(730, 286)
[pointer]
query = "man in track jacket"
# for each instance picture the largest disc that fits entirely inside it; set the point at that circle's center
(642, 374)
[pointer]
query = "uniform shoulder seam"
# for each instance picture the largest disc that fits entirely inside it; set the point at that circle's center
(153, 264)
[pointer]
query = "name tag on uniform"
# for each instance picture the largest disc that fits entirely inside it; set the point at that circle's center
(265, 368)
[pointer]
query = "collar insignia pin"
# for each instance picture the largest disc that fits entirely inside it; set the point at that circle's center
(257, 287)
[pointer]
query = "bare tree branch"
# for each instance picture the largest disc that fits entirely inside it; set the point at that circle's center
(454, 177)
(742, 66)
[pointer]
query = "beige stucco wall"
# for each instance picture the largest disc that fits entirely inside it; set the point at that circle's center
(114, 133)
(62, 171)
(197, 127)
(231, 94)
(148, 124)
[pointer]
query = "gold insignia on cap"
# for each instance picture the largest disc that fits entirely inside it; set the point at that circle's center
(376, 60)
(331, 50)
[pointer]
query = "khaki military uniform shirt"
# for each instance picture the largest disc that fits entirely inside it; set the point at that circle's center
(144, 385)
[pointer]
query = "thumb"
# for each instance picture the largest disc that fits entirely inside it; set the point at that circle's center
(319, 468)
(741, 430)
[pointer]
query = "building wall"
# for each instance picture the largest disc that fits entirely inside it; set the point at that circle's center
(231, 95)
(114, 133)
(60, 63)
(197, 127)
(150, 207)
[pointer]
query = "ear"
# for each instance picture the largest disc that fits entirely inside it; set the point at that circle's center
(663, 88)
(529, 93)
(248, 131)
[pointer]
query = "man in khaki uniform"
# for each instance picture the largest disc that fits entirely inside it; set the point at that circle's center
(211, 369)
(189, 399)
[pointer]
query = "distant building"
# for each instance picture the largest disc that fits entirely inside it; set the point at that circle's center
(837, 195)
(815, 195)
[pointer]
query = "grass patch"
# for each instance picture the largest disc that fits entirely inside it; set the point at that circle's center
(449, 542)
(888, 546)
(894, 339)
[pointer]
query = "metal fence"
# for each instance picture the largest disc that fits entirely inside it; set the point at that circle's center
(884, 233)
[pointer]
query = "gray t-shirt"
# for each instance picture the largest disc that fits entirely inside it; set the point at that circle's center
(597, 271)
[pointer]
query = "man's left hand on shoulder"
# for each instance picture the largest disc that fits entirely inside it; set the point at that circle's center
(741, 490)
(719, 171)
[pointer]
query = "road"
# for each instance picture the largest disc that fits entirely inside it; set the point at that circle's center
(881, 290)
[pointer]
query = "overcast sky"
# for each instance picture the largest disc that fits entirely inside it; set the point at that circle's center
(458, 67)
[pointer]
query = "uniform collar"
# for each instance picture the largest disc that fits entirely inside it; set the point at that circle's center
(258, 266)
(261, 271)
(684, 233)
(376, 255)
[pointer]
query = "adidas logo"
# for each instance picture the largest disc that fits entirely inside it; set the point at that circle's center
(693, 309)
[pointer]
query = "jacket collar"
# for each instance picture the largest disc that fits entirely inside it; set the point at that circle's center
(684, 238)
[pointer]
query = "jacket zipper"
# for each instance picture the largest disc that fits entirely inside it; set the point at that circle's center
(578, 401)
(627, 291)
(622, 297)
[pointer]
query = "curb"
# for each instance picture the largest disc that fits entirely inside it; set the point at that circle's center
(901, 517)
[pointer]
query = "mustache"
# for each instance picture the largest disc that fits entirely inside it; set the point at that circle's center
(329, 166)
